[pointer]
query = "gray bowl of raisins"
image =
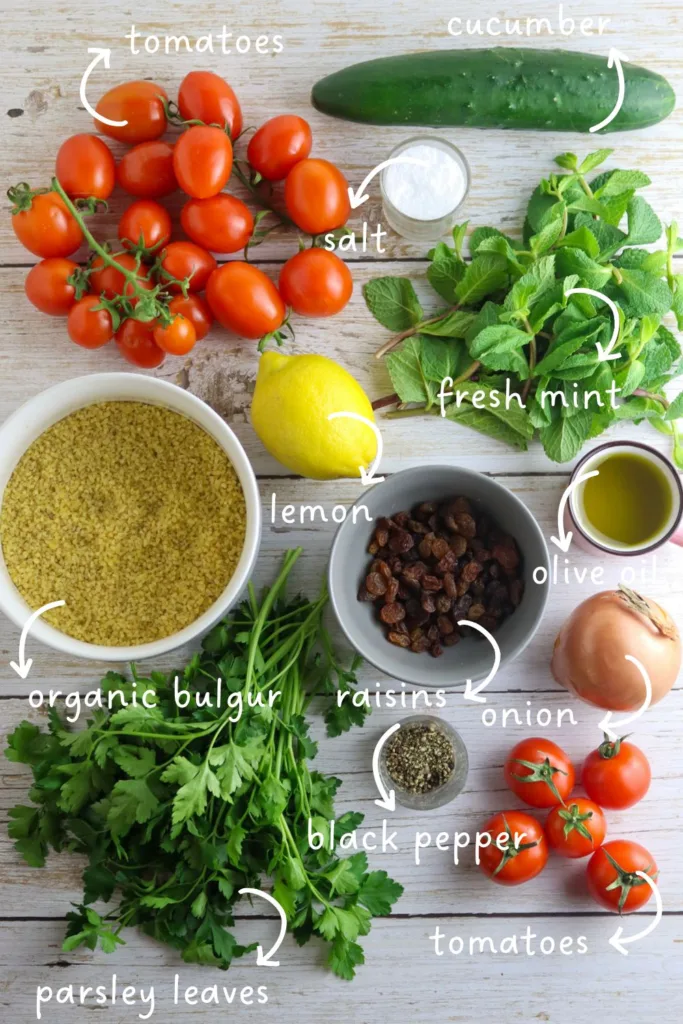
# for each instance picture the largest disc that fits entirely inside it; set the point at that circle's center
(446, 546)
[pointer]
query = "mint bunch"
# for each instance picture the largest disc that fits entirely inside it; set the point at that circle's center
(177, 809)
(511, 328)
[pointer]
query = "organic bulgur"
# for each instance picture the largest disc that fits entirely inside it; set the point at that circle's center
(130, 513)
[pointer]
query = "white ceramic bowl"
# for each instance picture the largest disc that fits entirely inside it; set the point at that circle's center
(22, 428)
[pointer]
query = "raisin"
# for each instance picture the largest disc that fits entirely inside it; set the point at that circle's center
(478, 587)
(396, 565)
(382, 537)
(436, 650)
(404, 592)
(399, 639)
(445, 625)
(373, 547)
(451, 640)
(516, 590)
(392, 613)
(433, 634)
(449, 584)
(417, 527)
(462, 606)
(443, 604)
(433, 522)
(428, 603)
(447, 563)
(420, 646)
(506, 555)
(488, 622)
(400, 542)
(476, 611)
(431, 583)
(425, 546)
(458, 546)
(439, 547)
(427, 509)
(401, 518)
(392, 591)
(376, 584)
(465, 525)
(401, 627)
(494, 570)
(364, 594)
(470, 572)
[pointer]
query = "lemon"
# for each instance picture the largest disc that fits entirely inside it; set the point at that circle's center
(293, 398)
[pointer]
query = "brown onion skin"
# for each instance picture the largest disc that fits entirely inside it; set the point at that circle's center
(589, 653)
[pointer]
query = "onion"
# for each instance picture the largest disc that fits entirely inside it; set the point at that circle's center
(590, 649)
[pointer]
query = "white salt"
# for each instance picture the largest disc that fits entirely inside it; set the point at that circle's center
(426, 190)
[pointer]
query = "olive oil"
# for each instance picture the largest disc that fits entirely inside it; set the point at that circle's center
(630, 501)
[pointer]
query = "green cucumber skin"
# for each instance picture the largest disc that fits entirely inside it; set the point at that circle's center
(543, 90)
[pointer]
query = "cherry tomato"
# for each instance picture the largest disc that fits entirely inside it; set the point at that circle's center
(185, 259)
(108, 281)
(618, 861)
(87, 326)
(86, 167)
(147, 171)
(193, 308)
(316, 196)
(138, 103)
(539, 772)
(202, 161)
(616, 775)
(47, 228)
(315, 282)
(145, 223)
(220, 223)
(177, 338)
(135, 341)
(244, 300)
(47, 286)
(518, 850)
(576, 830)
(204, 96)
(278, 145)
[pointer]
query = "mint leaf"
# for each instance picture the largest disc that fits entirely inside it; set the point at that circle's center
(594, 160)
(453, 325)
(445, 272)
(499, 348)
(575, 261)
(569, 161)
(582, 238)
(392, 301)
(486, 422)
(617, 182)
(644, 226)
(675, 410)
(485, 275)
(563, 438)
(405, 371)
(642, 293)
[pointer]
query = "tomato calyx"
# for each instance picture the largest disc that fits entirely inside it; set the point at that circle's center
(540, 771)
(574, 821)
(285, 332)
(21, 196)
(626, 880)
(511, 850)
(79, 280)
(610, 748)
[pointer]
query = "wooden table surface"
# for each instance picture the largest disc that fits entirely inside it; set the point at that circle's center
(43, 55)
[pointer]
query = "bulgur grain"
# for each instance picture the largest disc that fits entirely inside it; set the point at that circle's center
(130, 513)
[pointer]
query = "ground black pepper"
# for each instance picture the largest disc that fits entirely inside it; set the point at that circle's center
(420, 758)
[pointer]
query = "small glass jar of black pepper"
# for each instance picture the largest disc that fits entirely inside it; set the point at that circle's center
(425, 762)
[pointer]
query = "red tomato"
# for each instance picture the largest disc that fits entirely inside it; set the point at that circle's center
(539, 772)
(108, 281)
(185, 259)
(616, 775)
(147, 170)
(145, 223)
(278, 145)
(138, 103)
(48, 288)
(177, 338)
(202, 161)
(244, 300)
(86, 167)
(576, 830)
(204, 96)
(87, 326)
(135, 341)
(518, 850)
(220, 223)
(619, 861)
(315, 282)
(316, 196)
(193, 308)
(47, 228)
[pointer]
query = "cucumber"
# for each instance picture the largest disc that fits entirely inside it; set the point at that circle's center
(546, 90)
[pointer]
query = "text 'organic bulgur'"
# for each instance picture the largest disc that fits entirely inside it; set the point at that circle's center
(130, 513)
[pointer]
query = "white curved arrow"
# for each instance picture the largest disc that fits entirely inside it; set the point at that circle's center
(367, 476)
(604, 354)
(357, 198)
(472, 692)
(614, 60)
(388, 801)
(565, 539)
(261, 959)
(620, 943)
(24, 667)
(605, 726)
(102, 54)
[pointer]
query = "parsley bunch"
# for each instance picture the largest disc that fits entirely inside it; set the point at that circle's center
(177, 809)
(511, 322)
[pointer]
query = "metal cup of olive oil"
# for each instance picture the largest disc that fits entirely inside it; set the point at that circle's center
(630, 505)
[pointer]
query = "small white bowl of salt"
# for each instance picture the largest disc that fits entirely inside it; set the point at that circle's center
(422, 188)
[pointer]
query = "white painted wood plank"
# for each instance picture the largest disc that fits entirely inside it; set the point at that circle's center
(436, 885)
(402, 979)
